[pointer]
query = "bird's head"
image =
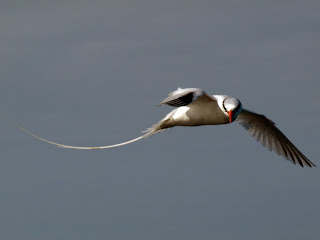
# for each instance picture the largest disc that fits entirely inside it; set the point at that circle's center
(232, 107)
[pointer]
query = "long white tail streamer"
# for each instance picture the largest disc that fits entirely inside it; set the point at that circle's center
(156, 128)
(86, 148)
(149, 132)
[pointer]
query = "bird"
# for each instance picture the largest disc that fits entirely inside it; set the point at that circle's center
(195, 107)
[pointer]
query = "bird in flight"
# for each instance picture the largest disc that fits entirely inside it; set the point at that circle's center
(194, 107)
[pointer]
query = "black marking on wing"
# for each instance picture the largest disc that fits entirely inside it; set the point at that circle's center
(182, 99)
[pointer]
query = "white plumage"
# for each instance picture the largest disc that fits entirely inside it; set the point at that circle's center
(194, 107)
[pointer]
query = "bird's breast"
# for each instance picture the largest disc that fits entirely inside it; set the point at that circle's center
(196, 115)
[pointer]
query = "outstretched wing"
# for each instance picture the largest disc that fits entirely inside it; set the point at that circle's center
(265, 131)
(183, 97)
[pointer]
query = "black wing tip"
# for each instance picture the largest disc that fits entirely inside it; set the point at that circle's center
(304, 162)
(302, 159)
(311, 164)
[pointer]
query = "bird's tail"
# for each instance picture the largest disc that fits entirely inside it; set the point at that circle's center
(148, 133)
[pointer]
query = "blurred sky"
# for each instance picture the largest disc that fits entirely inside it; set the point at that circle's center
(92, 73)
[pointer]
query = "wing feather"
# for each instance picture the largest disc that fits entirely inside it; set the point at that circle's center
(182, 97)
(265, 131)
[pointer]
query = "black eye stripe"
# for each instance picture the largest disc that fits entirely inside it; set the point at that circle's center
(223, 105)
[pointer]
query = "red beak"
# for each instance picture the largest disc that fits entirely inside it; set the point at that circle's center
(230, 116)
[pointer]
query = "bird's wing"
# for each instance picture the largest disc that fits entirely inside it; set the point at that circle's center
(183, 97)
(265, 131)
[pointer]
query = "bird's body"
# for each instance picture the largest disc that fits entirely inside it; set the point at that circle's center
(194, 107)
(203, 111)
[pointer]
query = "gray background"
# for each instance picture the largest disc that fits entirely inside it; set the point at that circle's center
(92, 73)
